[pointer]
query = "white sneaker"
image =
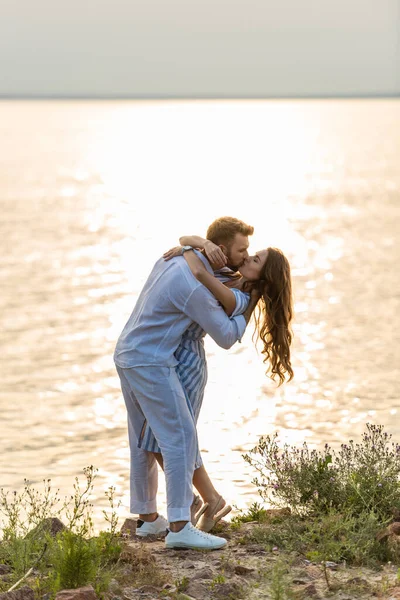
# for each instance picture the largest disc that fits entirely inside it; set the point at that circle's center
(190, 537)
(143, 528)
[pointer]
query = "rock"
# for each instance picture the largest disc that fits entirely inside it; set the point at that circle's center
(84, 593)
(206, 573)
(278, 512)
(198, 590)
(217, 562)
(256, 549)
(128, 528)
(249, 526)
(113, 586)
(222, 526)
(311, 591)
(144, 591)
(392, 529)
(4, 569)
(241, 570)
(359, 582)
(314, 572)
(148, 589)
(331, 565)
(24, 593)
(135, 556)
(52, 525)
(229, 589)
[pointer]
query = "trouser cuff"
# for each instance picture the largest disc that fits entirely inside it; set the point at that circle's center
(143, 508)
(178, 514)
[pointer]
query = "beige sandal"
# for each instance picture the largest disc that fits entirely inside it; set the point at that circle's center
(197, 509)
(207, 523)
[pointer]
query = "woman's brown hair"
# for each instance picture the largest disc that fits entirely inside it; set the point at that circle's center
(274, 315)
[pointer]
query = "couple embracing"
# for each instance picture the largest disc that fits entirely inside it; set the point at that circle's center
(206, 286)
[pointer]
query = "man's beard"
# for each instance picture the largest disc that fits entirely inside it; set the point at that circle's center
(233, 267)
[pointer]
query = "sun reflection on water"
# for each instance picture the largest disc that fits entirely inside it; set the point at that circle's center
(125, 181)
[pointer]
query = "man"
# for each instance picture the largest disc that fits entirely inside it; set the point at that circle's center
(226, 243)
(171, 300)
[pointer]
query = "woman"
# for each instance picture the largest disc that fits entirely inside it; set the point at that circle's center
(268, 273)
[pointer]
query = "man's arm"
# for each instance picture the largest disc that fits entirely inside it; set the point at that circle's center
(254, 298)
(203, 308)
(223, 294)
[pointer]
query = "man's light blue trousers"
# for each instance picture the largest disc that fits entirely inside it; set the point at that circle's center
(154, 397)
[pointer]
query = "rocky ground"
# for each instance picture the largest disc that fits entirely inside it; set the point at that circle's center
(148, 571)
(250, 571)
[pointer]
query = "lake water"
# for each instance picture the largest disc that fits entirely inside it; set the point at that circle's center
(92, 193)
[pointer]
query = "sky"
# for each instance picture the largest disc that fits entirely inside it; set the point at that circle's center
(199, 48)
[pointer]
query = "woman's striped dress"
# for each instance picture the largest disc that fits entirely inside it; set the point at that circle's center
(192, 370)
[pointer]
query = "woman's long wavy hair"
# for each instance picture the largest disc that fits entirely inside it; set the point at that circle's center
(274, 314)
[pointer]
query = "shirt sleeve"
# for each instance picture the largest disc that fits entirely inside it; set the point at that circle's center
(203, 308)
(242, 302)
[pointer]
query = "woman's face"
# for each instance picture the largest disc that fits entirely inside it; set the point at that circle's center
(253, 265)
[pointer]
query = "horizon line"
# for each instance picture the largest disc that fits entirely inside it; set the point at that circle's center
(161, 97)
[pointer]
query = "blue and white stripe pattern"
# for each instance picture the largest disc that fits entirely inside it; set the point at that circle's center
(192, 370)
(242, 302)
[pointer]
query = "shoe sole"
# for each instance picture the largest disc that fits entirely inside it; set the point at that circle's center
(182, 546)
(159, 534)
(206, 524)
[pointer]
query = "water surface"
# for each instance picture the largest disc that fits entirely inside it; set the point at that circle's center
(92, 193)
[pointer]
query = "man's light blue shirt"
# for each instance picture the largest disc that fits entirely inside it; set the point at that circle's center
(171, 300)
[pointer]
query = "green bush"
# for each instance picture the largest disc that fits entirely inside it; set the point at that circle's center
(334, 536)
(359, 478)
(74, 559)
(70, 558)
(255, 512)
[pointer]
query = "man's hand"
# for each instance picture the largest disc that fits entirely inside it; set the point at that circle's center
(176, 251)
(215, 255)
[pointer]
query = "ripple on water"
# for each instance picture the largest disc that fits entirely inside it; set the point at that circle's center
(80, 231)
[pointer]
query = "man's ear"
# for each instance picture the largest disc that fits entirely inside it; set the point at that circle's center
(224, 249)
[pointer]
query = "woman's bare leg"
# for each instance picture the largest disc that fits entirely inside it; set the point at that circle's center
(203, 485)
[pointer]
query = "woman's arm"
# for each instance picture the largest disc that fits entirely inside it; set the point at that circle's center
(213, 252)
(193, 240)
(223, 294)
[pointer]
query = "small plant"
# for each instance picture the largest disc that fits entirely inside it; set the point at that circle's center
(255, 512)
(21, 511)
(68, 558)
(182, 584)
(279, 588)
(110, 541)
(75, 561)
(79, 515)
(217, 580)
(335, 536)
(359, 478)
